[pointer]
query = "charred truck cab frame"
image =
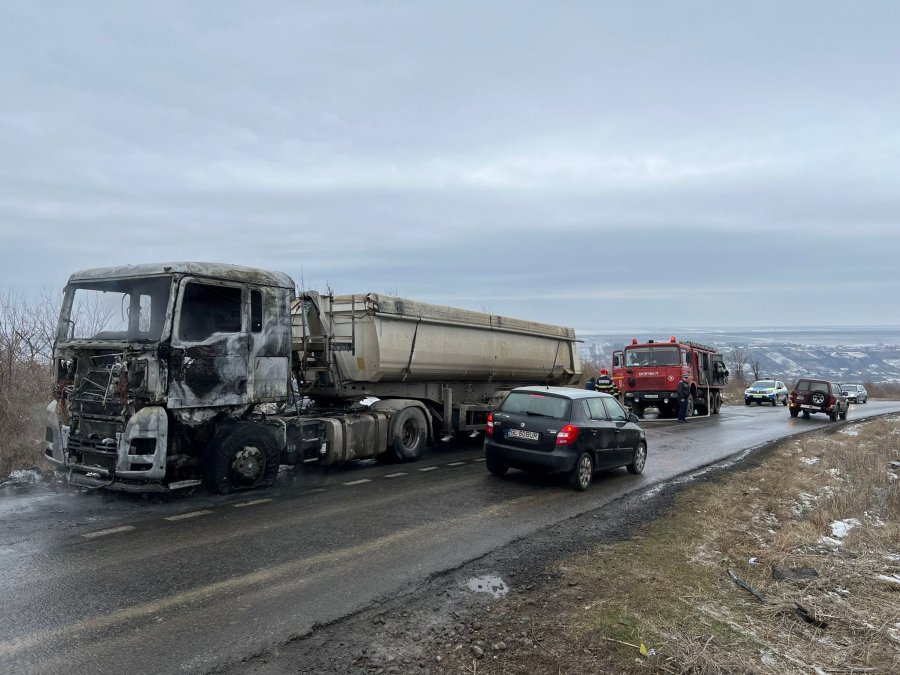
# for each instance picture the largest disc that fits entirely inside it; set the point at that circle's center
(648, 375)
(218, 372)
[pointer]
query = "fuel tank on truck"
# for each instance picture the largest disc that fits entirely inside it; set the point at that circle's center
(388, 339)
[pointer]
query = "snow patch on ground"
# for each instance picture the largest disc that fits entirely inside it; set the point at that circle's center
(23, 476)
(841, 528)
(893, 578)
(809, 460)
(850, 431)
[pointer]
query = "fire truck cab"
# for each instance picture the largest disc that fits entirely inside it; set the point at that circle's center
(648, 374)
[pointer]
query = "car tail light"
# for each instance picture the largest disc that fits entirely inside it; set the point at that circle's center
(490, 425)
(831, 400)
(567, 435)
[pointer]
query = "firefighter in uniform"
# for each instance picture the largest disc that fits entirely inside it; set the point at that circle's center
(605, 384)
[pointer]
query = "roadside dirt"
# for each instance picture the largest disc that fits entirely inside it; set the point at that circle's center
(642, 585)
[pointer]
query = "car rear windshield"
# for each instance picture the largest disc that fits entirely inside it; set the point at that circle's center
(541, 405)
(809, 385)
(763, 384)
(849, 387)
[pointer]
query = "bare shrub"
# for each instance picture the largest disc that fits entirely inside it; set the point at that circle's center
(26, 338)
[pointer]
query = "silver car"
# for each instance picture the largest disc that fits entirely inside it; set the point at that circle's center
(856, 393)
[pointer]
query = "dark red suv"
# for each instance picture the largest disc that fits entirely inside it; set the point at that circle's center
(819, 396)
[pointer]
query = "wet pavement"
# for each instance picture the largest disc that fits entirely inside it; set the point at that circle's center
(98, 582)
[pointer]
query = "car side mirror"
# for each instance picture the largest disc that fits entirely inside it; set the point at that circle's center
(634, 419)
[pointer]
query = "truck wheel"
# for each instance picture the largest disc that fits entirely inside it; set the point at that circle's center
(242, 457)
(410, 434)
(717, 399)
(690, 407)
(639, 460)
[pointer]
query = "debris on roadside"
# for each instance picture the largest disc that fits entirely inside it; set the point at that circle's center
(793, 573)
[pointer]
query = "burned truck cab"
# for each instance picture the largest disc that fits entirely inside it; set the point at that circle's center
(150, 360)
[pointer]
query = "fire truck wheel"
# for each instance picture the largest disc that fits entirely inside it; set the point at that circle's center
(690, 407)
(717, 403)
(410, 434)
(242, 457)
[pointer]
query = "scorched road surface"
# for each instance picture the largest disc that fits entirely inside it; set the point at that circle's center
(98, 582)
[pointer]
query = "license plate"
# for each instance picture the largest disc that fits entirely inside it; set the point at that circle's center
(810, 407)
(651, 396)
(523, 435)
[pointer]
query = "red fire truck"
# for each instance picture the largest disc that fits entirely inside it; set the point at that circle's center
(648, 375)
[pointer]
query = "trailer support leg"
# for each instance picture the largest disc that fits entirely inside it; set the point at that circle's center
(447, 395)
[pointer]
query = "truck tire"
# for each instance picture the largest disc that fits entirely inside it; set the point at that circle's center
(690, 407)
(410, 435)
(242, 457)
(717, 399)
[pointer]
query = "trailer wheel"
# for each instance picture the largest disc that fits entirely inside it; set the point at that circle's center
(410, 435)
(240, 458)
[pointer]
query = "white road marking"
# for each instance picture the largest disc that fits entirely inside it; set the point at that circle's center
(189, 514)
(359, 482)
(429, 468)
(479, 459)
(396, 475)
(253, 502)
(456, 463)
(112, 530)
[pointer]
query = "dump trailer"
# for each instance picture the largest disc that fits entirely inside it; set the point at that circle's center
(169, 375)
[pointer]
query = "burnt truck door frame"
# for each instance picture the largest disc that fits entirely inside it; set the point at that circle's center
(270, 344)
(210, 353)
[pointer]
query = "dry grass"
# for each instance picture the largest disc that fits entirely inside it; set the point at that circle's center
(668, 589)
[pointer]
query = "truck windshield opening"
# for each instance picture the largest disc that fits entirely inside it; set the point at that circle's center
(651, 356)
(125, 309)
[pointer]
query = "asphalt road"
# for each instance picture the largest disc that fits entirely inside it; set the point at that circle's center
(98, 582)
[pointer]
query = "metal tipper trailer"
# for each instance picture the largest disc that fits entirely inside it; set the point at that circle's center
(182, 390)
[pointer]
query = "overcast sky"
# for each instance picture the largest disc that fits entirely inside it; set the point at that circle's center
(646, 164)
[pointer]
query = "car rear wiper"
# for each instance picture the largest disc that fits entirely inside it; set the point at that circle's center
(537, 414)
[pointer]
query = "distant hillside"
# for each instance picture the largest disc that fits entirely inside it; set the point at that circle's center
(845, 354)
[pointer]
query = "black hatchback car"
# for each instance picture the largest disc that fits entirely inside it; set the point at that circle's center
(566, 431)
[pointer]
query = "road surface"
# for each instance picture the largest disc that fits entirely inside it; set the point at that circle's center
(99, 582)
